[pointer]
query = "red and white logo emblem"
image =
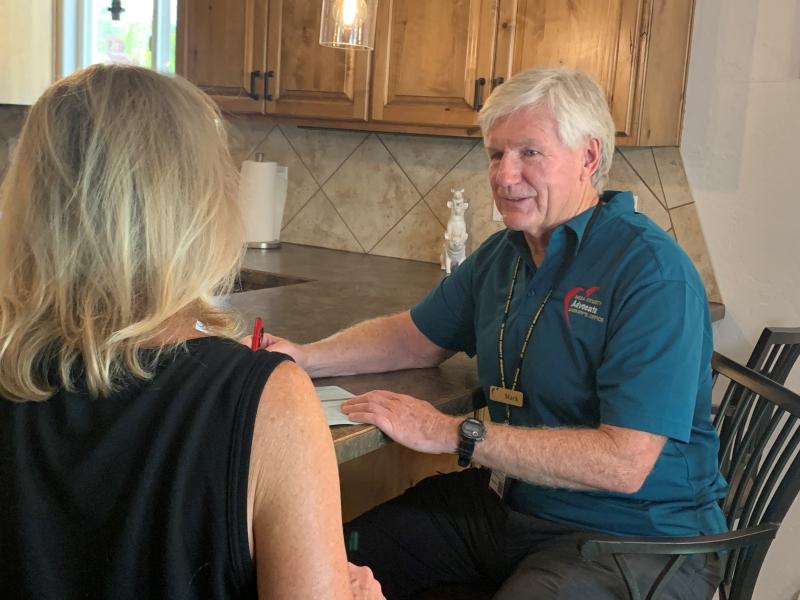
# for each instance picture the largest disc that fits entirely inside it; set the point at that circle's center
(579, 301)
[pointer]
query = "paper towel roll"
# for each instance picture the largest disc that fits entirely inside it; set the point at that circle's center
(257, 201)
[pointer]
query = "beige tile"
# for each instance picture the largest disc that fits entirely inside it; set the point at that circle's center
(642, 161)
(371, 192)
(471, 174)
(623, 178)
(418, 236)
(673, 176)
(426, 159)
(689, 235)
(318, 224)
(301, 184)
(244, 135)
(322, 150)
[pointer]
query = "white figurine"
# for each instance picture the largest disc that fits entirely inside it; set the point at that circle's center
(454, 247)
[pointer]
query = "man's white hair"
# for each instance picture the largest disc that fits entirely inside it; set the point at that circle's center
(579, 107)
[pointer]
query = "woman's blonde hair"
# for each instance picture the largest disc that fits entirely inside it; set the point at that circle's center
(579, 108)
(118, 220)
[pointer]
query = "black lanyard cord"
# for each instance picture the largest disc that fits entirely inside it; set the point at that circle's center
(565, 264)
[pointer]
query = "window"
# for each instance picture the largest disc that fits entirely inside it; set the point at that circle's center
(144, 34)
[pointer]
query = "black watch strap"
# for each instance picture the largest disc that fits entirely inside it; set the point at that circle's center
(466, 447)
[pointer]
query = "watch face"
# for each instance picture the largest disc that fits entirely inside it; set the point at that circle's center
(472, 428)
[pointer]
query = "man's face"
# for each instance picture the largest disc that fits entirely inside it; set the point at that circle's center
(537, 182)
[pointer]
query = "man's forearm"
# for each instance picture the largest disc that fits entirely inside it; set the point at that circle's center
(612, 459)
(383, 344)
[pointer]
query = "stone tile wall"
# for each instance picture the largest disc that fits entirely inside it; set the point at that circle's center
(387, 194)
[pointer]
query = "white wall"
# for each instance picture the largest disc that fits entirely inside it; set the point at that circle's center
(741, 151)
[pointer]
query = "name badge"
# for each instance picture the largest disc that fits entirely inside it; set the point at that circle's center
(506, 396)
(497, 483)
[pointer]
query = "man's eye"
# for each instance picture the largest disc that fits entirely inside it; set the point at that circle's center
(495, 155)
(529, 152)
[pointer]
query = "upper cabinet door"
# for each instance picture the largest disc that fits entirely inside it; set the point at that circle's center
(222, 50)
(433, 60)
(601, 37)
(309, 80)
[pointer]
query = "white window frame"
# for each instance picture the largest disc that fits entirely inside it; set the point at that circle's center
(75, 22)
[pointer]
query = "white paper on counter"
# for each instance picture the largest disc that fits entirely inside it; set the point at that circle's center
(332, 397)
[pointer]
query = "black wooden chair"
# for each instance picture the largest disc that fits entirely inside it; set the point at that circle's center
(760, 435)
(776, 352)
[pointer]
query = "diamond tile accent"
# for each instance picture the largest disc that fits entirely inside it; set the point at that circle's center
(690, 236)
(673, 177)
(426, 159)
(322, 150)
(471, 174)
(318, 224)
(417, 236)
(642, 161)
(371, 192)
(244, 135)
(301, 184)
(623, 177)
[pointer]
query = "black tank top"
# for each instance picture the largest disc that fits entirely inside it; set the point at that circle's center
(141, 494)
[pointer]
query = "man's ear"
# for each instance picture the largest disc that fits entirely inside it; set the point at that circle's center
(591, 158)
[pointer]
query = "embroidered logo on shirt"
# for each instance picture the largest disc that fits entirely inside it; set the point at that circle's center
(578, 301)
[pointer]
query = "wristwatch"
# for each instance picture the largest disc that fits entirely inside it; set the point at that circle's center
(470, 431)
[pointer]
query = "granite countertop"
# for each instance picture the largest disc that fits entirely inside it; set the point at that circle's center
(329, 290)
(339, 290)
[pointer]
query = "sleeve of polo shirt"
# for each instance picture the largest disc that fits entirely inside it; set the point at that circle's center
(649, 376)
(446, 315)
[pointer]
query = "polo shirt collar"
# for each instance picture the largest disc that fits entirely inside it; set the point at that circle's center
(616, 203)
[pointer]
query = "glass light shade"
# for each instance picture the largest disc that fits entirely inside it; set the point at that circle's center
(348, 24)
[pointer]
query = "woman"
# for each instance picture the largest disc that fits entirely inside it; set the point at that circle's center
(139, 456)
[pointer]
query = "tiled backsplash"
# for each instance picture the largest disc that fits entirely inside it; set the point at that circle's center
(387, 194)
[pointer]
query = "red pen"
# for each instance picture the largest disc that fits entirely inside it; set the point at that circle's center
(258, 334)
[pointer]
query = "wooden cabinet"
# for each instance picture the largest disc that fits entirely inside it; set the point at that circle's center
(263, 56)
(221, 48)
(435, 62)
(306, 79)
(599, 37)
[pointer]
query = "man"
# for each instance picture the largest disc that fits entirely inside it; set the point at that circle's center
(593, 345)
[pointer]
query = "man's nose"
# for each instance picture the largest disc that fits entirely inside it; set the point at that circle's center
(508, 170)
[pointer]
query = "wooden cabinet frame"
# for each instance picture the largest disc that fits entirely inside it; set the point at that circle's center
(647, 105)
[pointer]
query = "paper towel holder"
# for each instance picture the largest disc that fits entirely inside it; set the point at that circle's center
(273, 244)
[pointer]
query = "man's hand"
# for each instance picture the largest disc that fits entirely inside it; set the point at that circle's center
(407, 420)
(364, 584)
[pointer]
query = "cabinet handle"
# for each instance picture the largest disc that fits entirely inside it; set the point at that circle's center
(497, 81)
(267, 75)
(253, 94)
(477, 99)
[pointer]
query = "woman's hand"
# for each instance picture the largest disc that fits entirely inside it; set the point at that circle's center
(273, 343)
(364, 584)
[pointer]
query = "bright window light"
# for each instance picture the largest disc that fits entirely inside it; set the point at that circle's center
(144, 35)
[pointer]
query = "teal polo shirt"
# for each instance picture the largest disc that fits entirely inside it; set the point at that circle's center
(624, 340)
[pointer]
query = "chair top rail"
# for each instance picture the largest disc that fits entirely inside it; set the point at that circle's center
(593, 546)
(756, 382)
(784, 335)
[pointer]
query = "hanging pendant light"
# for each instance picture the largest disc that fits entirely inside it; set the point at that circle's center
(348, 24)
